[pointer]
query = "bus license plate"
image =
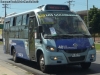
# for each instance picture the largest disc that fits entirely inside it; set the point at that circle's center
(75, 55)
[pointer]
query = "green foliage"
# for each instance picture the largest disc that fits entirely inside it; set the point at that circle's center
(94, 20)
(1, 42)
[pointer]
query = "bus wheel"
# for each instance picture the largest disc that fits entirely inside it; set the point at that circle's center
(42, 65)
(85, 65)
(15, 59)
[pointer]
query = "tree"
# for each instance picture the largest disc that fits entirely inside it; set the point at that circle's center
(94, 20)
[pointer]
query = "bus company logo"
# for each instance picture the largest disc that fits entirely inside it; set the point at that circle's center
(62, 46)
(75, 45)
(18, 1)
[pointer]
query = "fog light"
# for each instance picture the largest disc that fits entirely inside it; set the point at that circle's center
(92, 56)
(55, 58)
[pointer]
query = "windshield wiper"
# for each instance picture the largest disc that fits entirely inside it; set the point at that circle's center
(85, 35)
(58, 36)
(75, 32)
(64, 36)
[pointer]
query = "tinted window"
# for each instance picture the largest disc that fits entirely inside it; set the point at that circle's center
(19, 20)
(25, 19)
(11, 22)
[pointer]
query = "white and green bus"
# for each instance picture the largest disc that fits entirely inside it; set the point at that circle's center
(49, 35)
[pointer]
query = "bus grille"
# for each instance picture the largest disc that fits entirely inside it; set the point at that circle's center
(81, 58)
(75, 51)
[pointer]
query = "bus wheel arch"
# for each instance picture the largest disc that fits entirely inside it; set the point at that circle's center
(41, 61)
(39, 52)
(13, 53)
(12, 50)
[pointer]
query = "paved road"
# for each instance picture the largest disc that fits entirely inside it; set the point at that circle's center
(9, 69)
(68, 70)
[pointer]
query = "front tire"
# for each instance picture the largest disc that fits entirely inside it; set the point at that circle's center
(42, 65)
(85, 65)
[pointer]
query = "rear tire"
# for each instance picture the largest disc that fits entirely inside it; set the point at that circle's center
(43, 67)
(15, 58)
(85, 65)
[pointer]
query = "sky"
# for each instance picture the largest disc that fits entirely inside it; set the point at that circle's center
(76, 5)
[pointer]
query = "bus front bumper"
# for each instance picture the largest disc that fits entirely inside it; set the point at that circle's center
(59, 58)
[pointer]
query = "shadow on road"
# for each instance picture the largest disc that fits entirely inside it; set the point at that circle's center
(64, 70)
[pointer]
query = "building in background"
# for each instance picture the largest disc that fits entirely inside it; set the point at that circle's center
(1, 26)
(82, 13)
(1, 20)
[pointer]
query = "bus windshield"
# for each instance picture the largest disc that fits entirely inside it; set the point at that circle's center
(62, 23)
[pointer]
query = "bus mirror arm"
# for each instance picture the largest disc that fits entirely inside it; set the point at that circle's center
(30, 28)
(40, 39)
(40, 29)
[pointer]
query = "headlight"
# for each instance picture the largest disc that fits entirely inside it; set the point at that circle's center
(50, 48)
(93, 46)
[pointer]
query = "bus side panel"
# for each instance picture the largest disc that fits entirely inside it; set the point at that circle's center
(21, 49)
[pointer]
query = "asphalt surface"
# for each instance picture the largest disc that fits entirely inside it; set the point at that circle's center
(62, 70)
(7, 68)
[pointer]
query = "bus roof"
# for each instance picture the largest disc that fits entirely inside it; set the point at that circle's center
(35, 10)
(45, 7)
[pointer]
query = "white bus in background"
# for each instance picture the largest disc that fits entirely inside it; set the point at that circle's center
(38, 35)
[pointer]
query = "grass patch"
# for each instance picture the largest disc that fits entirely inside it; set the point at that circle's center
(97, 46)
(1, 43)
(0, 31)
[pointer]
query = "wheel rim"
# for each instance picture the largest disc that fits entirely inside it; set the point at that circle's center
(42, 63)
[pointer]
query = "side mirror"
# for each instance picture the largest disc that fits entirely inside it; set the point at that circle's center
(40, 29)
(90, 29)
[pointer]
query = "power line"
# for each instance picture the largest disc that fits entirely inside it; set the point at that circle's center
(5, 6)
(19, 9)
(69, 3)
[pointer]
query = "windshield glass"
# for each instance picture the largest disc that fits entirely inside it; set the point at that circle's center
(62, 23)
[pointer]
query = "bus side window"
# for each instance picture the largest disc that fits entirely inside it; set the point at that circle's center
(25, 19)
(19, 20)
(11, 22)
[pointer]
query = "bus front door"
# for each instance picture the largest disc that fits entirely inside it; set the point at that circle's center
(31, 39)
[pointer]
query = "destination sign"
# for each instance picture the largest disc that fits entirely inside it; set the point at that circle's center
(56, 7)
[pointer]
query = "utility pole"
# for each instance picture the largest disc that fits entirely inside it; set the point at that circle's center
(69, 3)
(87, 15)
(5, 6)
